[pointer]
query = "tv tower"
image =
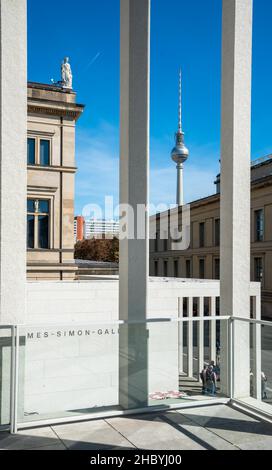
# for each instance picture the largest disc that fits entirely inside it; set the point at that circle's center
(180, 152)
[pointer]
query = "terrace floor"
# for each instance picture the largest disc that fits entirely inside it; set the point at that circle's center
(213, 427)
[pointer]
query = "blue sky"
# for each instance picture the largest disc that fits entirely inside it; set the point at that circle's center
(183, 33)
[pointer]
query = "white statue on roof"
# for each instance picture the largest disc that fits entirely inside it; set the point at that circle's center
(66, 73)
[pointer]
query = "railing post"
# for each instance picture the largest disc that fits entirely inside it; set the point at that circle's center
(212, 329)
(230, 329)
(180, 335)
(14, 380)
(200, 334)
(190, 348)
(257, 349)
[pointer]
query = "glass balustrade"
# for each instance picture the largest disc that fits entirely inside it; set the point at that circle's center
(52, 373)
(6, 374)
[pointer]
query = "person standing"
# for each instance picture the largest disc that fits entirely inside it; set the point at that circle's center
(211, 380)
(203, 379)
(264, 381)
(216, 369)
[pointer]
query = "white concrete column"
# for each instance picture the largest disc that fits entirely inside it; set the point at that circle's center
(179, 198)
(13, 102)
(13, 131)
(190, 349)
(134, 175)
(200, 334)
(235, 185)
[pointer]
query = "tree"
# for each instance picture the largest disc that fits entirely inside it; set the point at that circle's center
(98, 249)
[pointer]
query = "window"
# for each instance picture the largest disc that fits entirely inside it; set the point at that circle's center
(177, 235)
(38, 151)
(201, 268)
(165, 242)
(38, 223)
(217, 312)
(217, 232)
(44, 152)
(31, 151)
(155, 268)
(201, 234)
(258, 269)
(217, 268)
(156, 242)
(165, 268)
(259, 225)
(188, 268)
(176, 273)
(30, 231)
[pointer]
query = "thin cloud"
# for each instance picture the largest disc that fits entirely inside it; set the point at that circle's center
(198, 183)
(97, 159)
(98, 169)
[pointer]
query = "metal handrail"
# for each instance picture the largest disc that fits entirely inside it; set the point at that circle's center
(147, 320)
(126, 322)
(252, 320)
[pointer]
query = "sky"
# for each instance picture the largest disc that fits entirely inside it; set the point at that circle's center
(184, 34)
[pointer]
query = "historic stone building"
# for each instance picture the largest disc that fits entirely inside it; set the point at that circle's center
(52, 116)
(201, 259)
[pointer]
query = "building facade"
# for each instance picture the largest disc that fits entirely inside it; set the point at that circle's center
(79, 228)
(98, 228)
(201, 259)
(52, 116)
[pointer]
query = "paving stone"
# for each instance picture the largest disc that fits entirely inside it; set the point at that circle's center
(204, 415)
(230, 424)
(152, 432)
(239, 432)
(90, 435)
(28, 439)
(58, 446)
(263, 443)
(211, 427)
(197, 433)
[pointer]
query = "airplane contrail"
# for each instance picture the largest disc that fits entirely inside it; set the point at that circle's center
(93, 60)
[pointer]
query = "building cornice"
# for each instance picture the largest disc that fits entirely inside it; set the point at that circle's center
(41, 189)
(258, 183)
(51, 267)
(262, 182)
(55, 168)
(50, 87)
(54, 108)
(47, 250)
(40, 133)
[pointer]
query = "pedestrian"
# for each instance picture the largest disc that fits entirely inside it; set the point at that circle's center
(203, 379)
(211, 380)
(217, 352)
(251, 377)
(264, 381)
(216, 369)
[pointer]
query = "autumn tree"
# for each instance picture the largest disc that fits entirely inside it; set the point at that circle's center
(98, 249)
